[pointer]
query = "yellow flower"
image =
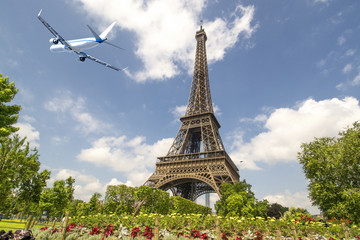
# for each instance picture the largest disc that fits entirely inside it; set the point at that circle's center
(82, 216)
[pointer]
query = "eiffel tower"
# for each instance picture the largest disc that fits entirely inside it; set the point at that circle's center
(197, 162)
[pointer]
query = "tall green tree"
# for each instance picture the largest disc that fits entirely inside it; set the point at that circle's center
(20, 179)
(119, 199)
(8, 113)
(21, 182)
(94, 203)
(276, 210)
(238, 200)
(332, 167)
(29, 192)
(57, 200)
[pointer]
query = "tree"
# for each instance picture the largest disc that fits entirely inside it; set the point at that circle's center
(29, 193)
(94, 203)
(21, 182)
(8, 113)
(74, 208)
(238, 200)
(119, 199)
(154, 200)
(332, 167)
(276, 210)
(57, 200)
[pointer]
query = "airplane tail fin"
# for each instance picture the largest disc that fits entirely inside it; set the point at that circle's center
(102, 37)
(94, 33)
(106, 32)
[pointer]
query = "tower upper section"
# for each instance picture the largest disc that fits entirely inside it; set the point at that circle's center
(200, 97)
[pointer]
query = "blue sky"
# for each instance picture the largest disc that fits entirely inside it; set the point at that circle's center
(281, 73)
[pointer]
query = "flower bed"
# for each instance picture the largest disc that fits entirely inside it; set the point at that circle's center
(176, 226)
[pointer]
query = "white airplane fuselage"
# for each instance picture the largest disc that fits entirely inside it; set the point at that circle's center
(76, 44)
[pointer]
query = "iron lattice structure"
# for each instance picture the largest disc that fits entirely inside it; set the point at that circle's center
(197, 162)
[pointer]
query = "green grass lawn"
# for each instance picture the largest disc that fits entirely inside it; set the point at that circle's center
(7, 225)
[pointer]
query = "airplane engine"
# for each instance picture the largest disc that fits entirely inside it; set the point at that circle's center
(82, 59)
(54, 40)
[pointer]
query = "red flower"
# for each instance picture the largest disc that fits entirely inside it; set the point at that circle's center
(148, 233)
(223, 237)
(195, 233)
(204, 236)
(71, 226)
(44, 228)
(95, 231)
(108, 230)
(135, 231)
(259, 236)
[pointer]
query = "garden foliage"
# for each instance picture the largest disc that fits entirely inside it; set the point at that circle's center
(332, 167)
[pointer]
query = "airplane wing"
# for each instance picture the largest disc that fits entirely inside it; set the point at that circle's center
(83, 54)
(58, 36)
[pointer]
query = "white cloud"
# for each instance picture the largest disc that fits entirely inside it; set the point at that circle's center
(66, 104)
(217, 110)
(341, 86)
(287, 128)
(12, 63)
(131, 156)
(165, 31)
(350, 52)
(289, 199)
(28, 131)
(259, 118)
(59, 140)
(356, 80)
(341, 40)
(347, 69)
(178, 111)
(321, 63)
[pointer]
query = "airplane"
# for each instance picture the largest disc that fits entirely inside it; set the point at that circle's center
(77, 45)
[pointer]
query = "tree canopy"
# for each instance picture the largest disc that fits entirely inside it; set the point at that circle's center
(332, 167)
(20, 178)
(21, 182)
(58, 199)
(238, 200)
(276, 210)
(8, 113)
